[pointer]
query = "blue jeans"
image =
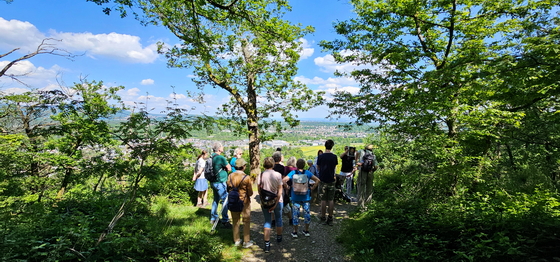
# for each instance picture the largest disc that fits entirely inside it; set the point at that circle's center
(277, 216)
(220, 194)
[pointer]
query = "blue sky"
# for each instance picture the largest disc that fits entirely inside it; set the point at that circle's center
(119, 51)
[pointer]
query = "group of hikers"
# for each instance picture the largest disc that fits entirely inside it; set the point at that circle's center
(281, 188)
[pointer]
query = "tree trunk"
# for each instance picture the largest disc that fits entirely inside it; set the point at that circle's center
(65, 182)
(254, 147)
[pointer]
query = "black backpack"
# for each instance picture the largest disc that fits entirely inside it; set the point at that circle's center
(209, 170)
(367, 159)
(234, 202)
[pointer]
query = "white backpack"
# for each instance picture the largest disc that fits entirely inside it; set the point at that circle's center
(300, 183)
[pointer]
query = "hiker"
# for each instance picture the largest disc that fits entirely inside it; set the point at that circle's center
(365, 175)
(244, 185)
(300, 194)
(319, 152)
(271, 181)
(237, 153)
(278, 167)
(347, 169)
(326, 164)
(201, 183)
(313, 169)
(290, 166)
(221, 168)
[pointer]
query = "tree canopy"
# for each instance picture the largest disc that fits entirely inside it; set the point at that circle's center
(470, 74)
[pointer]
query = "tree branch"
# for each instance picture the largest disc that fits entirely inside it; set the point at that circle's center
(44, 48)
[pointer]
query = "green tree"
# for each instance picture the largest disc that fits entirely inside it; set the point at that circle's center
(28, 114)
(437, 73)
(81, 122)
(253, 58)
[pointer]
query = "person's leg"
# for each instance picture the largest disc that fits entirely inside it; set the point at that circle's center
(246, 217)
(204, 197)
(306, 215)
(369, 187)
(215, 202)
(236, 221)
(267, 220)
(361, 189)
(323, 193)
(222, 188)
(349, 184)
(330, 201)
(330, 191)
(279, 223)
(295, 214)
(199, 199)
(331, 208)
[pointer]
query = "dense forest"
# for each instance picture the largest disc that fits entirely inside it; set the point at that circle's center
(463, 97)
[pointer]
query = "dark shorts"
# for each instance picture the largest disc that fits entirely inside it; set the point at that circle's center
(327, 191)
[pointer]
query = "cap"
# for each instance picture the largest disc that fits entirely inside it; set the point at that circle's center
(240, 162)
(369, 147)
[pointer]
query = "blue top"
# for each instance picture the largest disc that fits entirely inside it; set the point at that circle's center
(295, 197)
(232, 163)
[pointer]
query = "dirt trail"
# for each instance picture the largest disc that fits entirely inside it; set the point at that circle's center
(320, 246)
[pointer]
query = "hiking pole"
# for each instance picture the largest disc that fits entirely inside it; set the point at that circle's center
(218, 219)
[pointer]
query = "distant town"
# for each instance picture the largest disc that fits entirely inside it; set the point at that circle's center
(306, 134)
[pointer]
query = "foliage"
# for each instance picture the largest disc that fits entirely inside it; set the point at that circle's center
(253, 58)
(69, 231)
(494, 226)
(470, 79)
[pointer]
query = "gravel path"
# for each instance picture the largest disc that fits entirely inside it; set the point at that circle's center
(320, 246)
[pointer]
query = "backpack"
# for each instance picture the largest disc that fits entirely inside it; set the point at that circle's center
(209, 170)
(234, 202)
(367, 159)
(268, 199)
(300, 183)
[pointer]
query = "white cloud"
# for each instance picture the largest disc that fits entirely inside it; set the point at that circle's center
(178, 96)
(147, 82)
(331, 85)
(29, 74)
(350, 89)
(14, 90)
(306, 49)
(122, 47)
(329, 65)
(331, 81)
(134, 96)
(130, 92)
(19, 34)
(126, 48)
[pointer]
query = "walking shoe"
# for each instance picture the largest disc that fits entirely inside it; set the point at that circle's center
(248, 244)
(267, 246)
(278, 238)
(329, 221)
(226, 225)
(306, 233)
(238, 243)
(294, 234)
(323, 219)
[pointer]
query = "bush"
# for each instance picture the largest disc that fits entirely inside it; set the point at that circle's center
(478, 227)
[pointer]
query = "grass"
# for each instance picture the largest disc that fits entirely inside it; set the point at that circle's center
(189, 220)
